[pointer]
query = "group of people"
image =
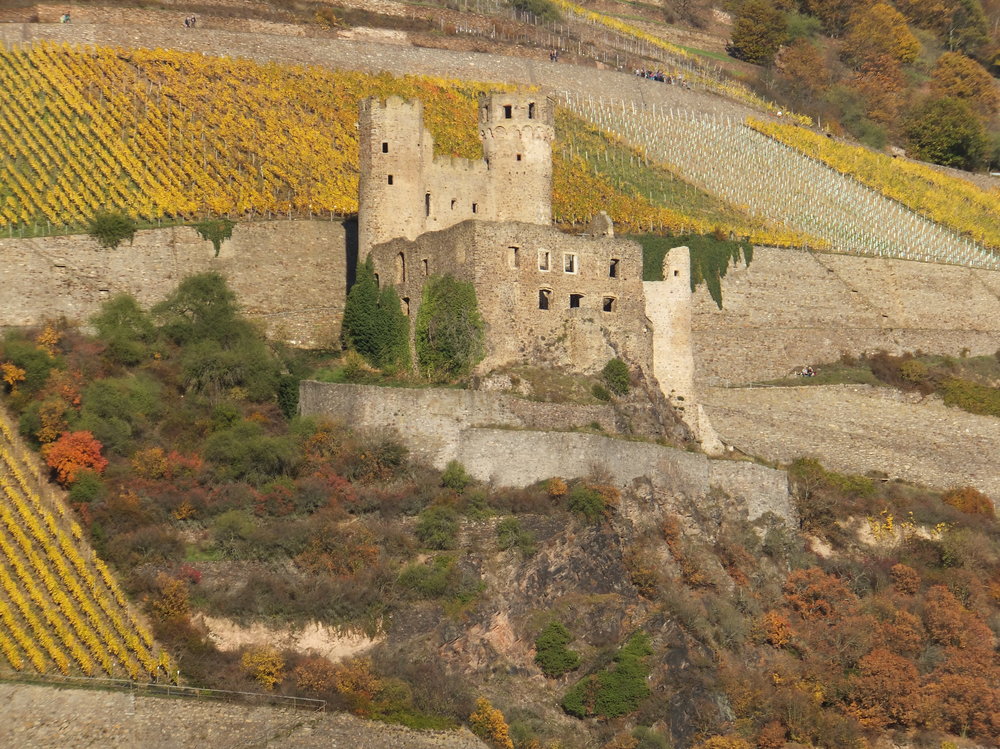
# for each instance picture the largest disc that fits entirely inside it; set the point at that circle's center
(807, 371)
(554, 55)
(190, 22)
(659, 75)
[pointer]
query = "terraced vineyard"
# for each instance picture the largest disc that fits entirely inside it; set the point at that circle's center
(60, 607)
(174, 136)
(770, 179)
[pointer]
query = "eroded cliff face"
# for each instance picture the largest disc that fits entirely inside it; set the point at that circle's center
(604, 581)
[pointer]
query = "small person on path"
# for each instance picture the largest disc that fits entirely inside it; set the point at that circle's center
(64, 18)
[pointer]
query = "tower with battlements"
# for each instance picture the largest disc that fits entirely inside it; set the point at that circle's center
(405, 190)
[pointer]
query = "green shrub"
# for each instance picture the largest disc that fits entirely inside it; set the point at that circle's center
(971, 397)
(110, 229)
(510, 535)
(611, 693)
(586, 501)
(216, 231)
(118, 410)
(88, 487)
(126, 329)
(455, 476)
(36, 363)
(203, 308)
(437, 527)
(616, 376)
(288, 395)
(449, 329)
(374, 323)
(244, 452)
(545, 10)
(551, 653)
(430, 580)
(600, 392)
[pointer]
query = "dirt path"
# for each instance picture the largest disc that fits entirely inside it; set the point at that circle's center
(856, 428)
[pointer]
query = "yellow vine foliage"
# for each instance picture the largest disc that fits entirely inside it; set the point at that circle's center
(163, 134)
(950, 201)
(731, 89)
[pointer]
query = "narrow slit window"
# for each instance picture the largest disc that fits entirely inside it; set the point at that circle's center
(609, 304)
(543, 260)
(389, 179)
(405, 301)
(575, 301)
(519, 157)
(544, 299)
(531, 110)
(453, 203)
(508, 112)
(376, 280)
(613, 269)
(676, 273)
(385, 147)
(401, 268)
(427, 204)
(569, 262)
(513, 256)
(475, 207)
(424, 262)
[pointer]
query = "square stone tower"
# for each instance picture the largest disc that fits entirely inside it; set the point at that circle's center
(405, 191)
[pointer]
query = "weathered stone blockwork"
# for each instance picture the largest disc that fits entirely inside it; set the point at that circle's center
(439, 425)
(512, 265)
(290, 275)
(792, 308)
(405, 191)
(431, 420)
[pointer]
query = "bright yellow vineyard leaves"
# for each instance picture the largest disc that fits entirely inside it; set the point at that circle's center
(950, 201)
(166, 134)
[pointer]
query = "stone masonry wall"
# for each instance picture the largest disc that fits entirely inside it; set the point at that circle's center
(291, 276)
(793, 308)
(430, 421)
(440, 425)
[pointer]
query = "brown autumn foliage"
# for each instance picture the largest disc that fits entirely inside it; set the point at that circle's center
(970, 500)
(885, 691)
(961, 77)
(905, 579)
(813, 594)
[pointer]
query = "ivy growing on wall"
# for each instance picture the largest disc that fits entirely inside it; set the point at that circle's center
(450, 333)
(711, 257)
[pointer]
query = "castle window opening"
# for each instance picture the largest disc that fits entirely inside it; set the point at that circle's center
(400, 268)
(543, 260)
(531, 110)
(575, 301)
(513, 256)
(376, 281)
(424, 263)
(405, 301)
(453, 203)
(544, 298)
(508, 112)
(519, 157)
(613, 270)
(475, 207)
(427, 204)
(390, 179)
(676, 273)
(385, 147)
(569, 262)
(609, 304)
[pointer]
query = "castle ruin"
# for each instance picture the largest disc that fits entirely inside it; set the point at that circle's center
(547, 297)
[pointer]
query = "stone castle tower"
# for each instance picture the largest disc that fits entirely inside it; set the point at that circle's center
(405, 191)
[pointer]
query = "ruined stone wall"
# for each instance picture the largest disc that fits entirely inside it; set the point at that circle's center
(405, 191)
(291, 276)
(431, 420)
(511, 441)
(512, 264)
(793, 308)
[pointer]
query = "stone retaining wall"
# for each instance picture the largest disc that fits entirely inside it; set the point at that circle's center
(290, 275)
(792, 308)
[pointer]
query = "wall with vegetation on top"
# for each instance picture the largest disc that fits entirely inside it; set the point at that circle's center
(290, 275)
